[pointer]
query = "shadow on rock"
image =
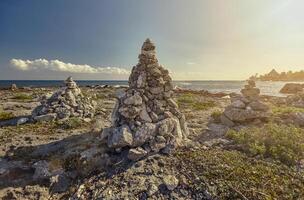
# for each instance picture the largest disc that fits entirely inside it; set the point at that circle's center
(58, 164)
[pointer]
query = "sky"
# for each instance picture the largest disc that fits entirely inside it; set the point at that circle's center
(195, 39)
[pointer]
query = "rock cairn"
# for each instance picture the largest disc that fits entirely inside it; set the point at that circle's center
(146, 119)
(296, 100)
(14, 87)
(66, 102)
(246, 108)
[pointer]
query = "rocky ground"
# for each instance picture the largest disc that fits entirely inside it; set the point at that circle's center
(211, 166)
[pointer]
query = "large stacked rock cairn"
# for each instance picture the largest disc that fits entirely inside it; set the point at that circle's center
(66, 102)
(246, 108)
(146, 119)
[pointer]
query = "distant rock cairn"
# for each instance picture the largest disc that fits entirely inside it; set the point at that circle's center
(146, 119)
(64, 103)
(246, 108)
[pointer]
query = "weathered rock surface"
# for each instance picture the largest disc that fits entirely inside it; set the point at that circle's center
(296, 100)
(146, 109)
(66, 102)
(292, 88)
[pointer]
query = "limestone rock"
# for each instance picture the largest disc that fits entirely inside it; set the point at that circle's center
(47, 117)
(292, 88)
(238, 104)
(120, 137)
(143, 134)
(136, 154)
(171, 182)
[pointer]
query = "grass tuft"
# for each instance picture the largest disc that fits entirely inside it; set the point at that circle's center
(6, 115)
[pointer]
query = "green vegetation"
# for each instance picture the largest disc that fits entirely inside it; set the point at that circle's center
(22, 96)
(71, 123)
(281, 110)
(273, 75)
(280, 142)
(6, 115)
(216, 115)
(232, 175)
(191, 101)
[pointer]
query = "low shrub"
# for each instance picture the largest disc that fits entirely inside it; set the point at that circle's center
(185, 99)
(203, 105)
(281, 142)
(190, 101)
(22, 96)
(281, 110)
(232, 175)
(216, 115)
(6, 115)
(71, 123)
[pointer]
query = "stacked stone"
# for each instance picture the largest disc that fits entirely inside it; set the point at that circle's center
(296, 100)
(64, 103)
(246, 108)
(146, 119)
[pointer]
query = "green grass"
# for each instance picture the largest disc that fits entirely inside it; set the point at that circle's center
(216, 115)
(233, 175)
(284, 143)
(281, 110)
(6, 115)
(192, 101)
(22, 96)
(71, 123)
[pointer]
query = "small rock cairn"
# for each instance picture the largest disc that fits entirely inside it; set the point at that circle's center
(246, 108)
(296, 100)
(146, 119)
(66, 102)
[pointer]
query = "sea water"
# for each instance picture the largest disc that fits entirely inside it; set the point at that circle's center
(266, 87)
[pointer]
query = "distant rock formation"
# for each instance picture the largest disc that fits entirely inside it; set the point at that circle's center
(292, 88)
(245, 108)
(146, 118)
(273, 75)
(66, 102)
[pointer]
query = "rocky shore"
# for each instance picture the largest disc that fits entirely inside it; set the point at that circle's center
(149, 141)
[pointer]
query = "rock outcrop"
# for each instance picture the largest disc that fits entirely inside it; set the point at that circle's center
(146, 119)
(292, 88)
(245, 108)
(66, 102)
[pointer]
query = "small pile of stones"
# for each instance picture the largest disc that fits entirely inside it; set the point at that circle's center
(296, 100)
(146, 119)
(65, 103)
(246, 108)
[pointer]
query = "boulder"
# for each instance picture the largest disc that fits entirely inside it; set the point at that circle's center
(47, 117)
(238, 104)
(292, 88)
(257, 105)
(136, 154)
(143, 134)
(120, 137)
(171, 182)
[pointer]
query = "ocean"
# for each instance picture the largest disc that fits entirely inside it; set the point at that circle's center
(266, 87)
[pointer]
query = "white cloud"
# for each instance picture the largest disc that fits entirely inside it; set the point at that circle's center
(57, 65)
(191, 63)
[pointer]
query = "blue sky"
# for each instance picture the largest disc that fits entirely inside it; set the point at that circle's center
(196, 39)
